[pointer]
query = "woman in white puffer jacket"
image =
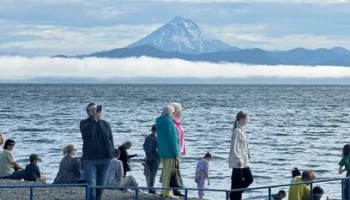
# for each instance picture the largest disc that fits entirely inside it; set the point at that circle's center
(239, 157)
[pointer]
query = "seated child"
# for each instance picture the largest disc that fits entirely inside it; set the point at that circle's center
(317, 192)
(295, 174)
(202, 173)
(32, 171)
(279, 196)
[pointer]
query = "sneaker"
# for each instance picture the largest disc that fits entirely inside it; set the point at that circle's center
(172, 197)
(152, 192)
(126, 190)
(179, 194)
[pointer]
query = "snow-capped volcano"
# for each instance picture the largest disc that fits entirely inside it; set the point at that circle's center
(181, 35)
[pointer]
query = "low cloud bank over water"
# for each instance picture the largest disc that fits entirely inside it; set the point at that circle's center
(44, 69)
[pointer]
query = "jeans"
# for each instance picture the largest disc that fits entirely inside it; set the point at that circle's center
(201, 185)
(241, 178)
(153, 166)
(17, 175)
(95, 174)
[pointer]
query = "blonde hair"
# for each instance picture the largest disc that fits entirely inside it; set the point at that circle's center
(177, 107)
(68, 149)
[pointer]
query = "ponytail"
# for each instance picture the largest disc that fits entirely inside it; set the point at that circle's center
(65, 150)
(68, 149)
(235, 125)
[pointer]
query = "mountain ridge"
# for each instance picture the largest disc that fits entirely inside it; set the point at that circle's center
(183, 39)
(246, 56)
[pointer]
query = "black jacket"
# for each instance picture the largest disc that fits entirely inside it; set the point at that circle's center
(125, 158)
(97, 139)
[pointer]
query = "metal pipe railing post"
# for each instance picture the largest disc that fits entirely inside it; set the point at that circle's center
(311, 193)
(269, 193)
(87, 192)
(348, 187)
(31, 194)
(136, 194)
(186, 194)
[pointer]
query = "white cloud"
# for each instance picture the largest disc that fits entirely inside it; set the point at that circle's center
(254, 35)
(19, 68)
(259, 1)
(75, 40)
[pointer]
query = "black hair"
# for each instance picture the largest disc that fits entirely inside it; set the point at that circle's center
(317, 190)
(116, 152)
(346, 150)
(282, 192)
(154, 128)
(207, 155)
(87, 107)
(9, 141)
(240, 115)
(296, 172)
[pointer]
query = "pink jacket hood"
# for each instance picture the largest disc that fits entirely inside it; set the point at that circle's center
(178, 124)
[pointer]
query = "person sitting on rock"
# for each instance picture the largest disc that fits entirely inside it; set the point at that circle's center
(317, 192)
(9, 168)
(295, 174)
(115, 174)
(69, 171)
(279, 196)
(32, 171)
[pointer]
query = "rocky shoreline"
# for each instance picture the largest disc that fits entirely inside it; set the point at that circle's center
(68, 193)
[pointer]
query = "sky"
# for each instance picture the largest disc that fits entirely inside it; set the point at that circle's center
(71, 27)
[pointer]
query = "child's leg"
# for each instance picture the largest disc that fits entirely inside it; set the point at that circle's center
(201, 185)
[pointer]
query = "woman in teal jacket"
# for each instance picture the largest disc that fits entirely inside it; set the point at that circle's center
(168, 146)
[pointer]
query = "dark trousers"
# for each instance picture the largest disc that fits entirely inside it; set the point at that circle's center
(241, 178)
(153, 166)
(346, 190)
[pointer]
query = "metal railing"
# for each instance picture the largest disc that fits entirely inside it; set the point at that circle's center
(186, 190)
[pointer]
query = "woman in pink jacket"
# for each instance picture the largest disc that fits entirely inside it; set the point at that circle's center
(180, 130)
(178, 123)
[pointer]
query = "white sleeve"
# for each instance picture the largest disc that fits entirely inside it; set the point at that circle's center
(237, 139)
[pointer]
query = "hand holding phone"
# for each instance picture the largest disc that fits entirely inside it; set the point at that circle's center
(99, 108)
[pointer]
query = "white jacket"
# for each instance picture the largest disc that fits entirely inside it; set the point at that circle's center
(239, 148)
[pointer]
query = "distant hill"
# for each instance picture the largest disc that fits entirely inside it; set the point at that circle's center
(297, 56)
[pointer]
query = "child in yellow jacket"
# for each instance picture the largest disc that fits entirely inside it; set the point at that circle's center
(302, 191)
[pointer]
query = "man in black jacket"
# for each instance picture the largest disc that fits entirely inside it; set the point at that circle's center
(98, 148)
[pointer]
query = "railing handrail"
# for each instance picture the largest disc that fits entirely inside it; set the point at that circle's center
(136, 189)
(219, 190)
(43, 185)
